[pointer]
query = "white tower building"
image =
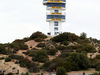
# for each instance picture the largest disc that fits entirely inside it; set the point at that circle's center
(55, 17)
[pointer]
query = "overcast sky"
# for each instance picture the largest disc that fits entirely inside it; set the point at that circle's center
(20, 18)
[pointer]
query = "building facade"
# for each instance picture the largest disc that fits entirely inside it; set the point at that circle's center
(55, 16)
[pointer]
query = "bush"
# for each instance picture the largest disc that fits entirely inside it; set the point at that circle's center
(7, 59)
(52, 51)
(25, 73)
(56, 63)
(65, 64)
(65, 42)
(72, 47)
(79, 61)
(41, 45)
(32, 67)
(24, 63)
(60, 71)
(97, 56)
(17, 57)
(37, 35)
(39, 40)
(18, 45)
(87, 48)
(10, 74)
(3, 50)
(64, 54)
(99, 51)
(61, 47)
(46, 66)
(83, 36)
(40, 56)
(97, 66)
(1, 58)
(65, 37)
(30, 53)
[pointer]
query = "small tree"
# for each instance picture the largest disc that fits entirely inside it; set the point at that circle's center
(79, 61)
(60, 71)
(83, 36)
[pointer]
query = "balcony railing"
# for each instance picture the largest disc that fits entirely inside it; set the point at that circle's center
(60, 1)
(56, 19)
(56, 13)
(53, 7)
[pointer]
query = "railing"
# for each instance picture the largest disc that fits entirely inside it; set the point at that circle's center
(60, 1)
(56, 7)
(55, 0)
(56, 19)
(56, 13)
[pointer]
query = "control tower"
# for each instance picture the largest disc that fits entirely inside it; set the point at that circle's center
(55, 16)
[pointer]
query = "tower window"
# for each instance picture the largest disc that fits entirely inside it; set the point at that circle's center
(55, 28)
(55, 23)
(56, 11)
(56, 33)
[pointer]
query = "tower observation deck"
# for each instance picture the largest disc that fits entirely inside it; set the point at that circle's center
(55, 16)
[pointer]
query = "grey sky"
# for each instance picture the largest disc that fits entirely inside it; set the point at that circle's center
(20, 18)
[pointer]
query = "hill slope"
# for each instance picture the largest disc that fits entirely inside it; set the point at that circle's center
(41, 53)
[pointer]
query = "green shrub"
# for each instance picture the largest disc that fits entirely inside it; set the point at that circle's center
(30, 53)
(99, 51)
(97, 65)
(97, 56)
(65, 42)
(87, 48)
(7, 59)
(24, 63)
(10, 74)
(3, 50)
(17, 57)
(1, 58)
(38, 35)
(56, 63)
(39, 40)
(18, 45)
(61, 47)
(32, 67)
(60, 71)
(46, 65)
(52, 51)
(65, 64)
(41, 45)
(64, 54)
(25, 73)
(79, 61)
(65, 37)
(40, 56)
(83, 36)
(98, 68)
(72, 47)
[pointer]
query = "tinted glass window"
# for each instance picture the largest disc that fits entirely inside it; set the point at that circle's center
(55, 23)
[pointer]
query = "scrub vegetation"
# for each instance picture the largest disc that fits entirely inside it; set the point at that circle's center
(63, 53)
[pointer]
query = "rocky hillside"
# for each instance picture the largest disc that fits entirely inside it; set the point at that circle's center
(41, 53)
